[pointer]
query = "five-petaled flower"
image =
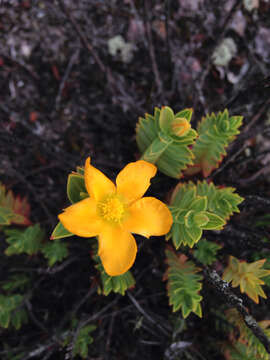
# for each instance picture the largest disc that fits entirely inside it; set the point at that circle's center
(113, 212)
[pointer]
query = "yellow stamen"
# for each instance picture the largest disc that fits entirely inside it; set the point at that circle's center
(111, 209)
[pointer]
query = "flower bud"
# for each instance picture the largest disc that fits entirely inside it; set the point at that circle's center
(180, 126)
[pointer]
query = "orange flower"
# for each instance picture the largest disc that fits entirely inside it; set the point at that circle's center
(114, 212)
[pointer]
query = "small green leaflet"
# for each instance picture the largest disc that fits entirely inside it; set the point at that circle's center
(84, 339)
(55, 251)
(10, 313)
(206, 251)
(60, 232)
(16, 282)
(24, 241)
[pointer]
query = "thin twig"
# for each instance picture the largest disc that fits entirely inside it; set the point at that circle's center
(151, 49)
(218, 39)
(21, 64)
(85, 42)
(72, 61)
(263, 171)
(148, 317)
(168, 42)
(254, 199)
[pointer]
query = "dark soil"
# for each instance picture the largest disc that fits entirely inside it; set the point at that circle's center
(64, 96)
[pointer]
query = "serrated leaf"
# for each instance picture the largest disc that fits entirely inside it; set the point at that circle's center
(16, 282)
(215, 134)
(206, 252)
(4, 319)
(247, 276)
(156, 148)
(11, 312)
(60, 232)
(24, 241)
(84, 339)
(199, 204)
(215, 222)
(183, 284)
(221, 201)
(6, 216)
(18, 318)
(75, 187)
(17, 208)
(166, 118)
(55, 251)
(186, 113)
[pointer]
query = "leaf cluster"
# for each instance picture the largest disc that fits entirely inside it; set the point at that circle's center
(24, 241)
(215, 132)
(183, 284)
(167, 140)
(206, 251)
(13, 209)
(198, 207)
(244, 345)
(247, 276)
(30, 241)
(158, 141)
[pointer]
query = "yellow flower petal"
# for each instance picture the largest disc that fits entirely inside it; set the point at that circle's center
(81, 218)
(133, 181)
(117, 250)
(96, 183)
(148, 216)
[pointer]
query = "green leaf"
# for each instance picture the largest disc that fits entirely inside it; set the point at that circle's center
(11, 312)
(199, 204)
(4, 319)
(165, 119)
(157, 148)
(221, 201)
(216, 132)
(215, 222)
(55, 251)
(183, 284)
(16, 282)
(60, 232)
(18, 318)
(6, 216)
(206, 252)
(186, 113)
(24, 241)
(84, 339)
(75, 187)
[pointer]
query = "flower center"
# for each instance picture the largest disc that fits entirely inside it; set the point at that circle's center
(111, 209)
